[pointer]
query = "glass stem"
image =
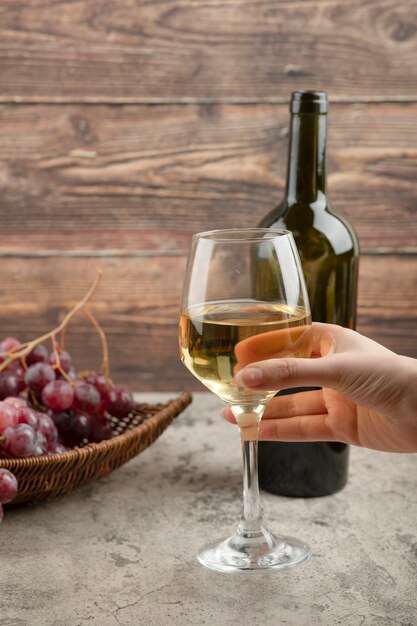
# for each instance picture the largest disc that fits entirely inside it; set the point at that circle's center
(250, 535)
(251, 514)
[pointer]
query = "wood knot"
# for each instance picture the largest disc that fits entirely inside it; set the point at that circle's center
(402, 31)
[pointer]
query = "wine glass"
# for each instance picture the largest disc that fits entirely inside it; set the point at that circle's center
(244, 300)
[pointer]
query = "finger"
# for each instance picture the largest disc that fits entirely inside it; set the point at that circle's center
(305, 403)
(325, 338)
(301, 428)
(288, 373)
(228, 415)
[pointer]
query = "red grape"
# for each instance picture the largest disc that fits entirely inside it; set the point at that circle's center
(56, 448)
(62, 420)
(72, 373)
(101, 383)
(86, 397)
(16, 370)
(119, 401)
(100, 429)
(58, 395)
(38, 376)
(8, 486)
(26, 415)
(15, 367)
(64, 359)
(47, 427)
(76, 430)
(8, 416)
(101, 410)
(9, 344)
(42, 445)
(39, 354)
(20, 440)
(9, 386)
(16, 403)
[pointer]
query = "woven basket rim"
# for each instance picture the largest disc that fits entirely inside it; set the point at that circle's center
(173, 407)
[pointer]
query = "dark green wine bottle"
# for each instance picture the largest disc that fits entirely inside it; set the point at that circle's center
(329, 255)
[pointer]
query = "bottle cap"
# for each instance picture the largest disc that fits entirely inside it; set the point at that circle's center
(309, 102)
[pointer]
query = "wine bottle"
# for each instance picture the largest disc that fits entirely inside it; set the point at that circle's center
(329, 254)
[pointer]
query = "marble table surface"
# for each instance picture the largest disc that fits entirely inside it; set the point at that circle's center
(121, 551)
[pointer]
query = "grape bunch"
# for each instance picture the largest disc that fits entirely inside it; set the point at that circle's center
(46, 407)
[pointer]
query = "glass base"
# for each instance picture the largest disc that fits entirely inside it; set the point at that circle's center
(253, 551)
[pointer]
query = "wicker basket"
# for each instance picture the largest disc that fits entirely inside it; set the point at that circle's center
(45, 477)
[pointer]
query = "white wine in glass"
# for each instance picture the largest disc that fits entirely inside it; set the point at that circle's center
(244, 301)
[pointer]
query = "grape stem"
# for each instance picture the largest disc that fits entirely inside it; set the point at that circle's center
(27, 347)
(105, 366)
(58, 361)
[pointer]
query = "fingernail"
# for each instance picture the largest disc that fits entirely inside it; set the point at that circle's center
(222, 412)
(250, 377)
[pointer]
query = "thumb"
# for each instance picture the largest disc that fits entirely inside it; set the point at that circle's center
(286, 373)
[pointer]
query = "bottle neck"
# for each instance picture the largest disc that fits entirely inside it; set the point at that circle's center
(306, 178)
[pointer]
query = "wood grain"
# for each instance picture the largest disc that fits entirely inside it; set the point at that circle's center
(97, 170)
(135, 179)
(387, 303)
(80, 50)
(137, 304)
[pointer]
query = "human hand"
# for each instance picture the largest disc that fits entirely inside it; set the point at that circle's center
(369, 395)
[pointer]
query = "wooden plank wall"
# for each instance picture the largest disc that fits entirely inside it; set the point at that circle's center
(125, 126)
